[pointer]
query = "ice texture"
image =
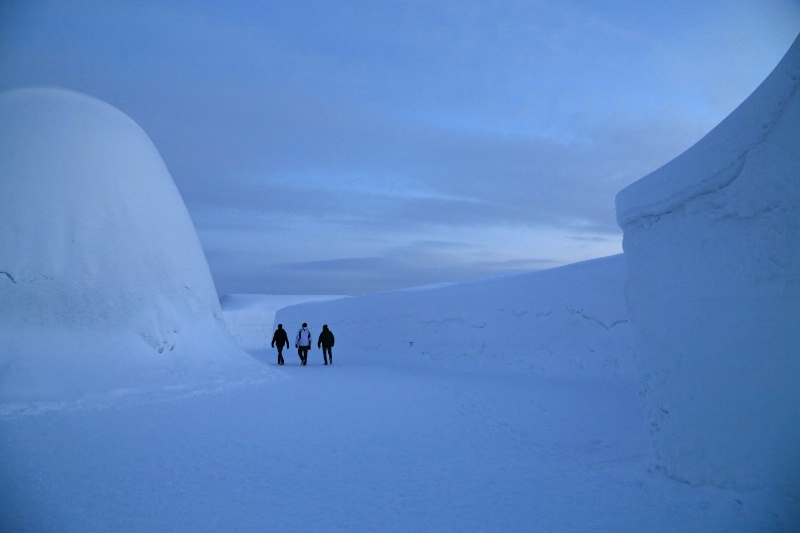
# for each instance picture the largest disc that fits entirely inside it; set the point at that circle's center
(712, 245)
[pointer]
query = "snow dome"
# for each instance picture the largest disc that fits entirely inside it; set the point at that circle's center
(103, 281)
(712, 246)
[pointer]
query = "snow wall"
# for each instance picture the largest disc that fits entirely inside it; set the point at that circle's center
(103, 283)
(712, 244)
(567, 321)
(249, 317)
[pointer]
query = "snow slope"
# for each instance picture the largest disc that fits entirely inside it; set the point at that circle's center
(102, 278)
(568, 321)
(712, 243)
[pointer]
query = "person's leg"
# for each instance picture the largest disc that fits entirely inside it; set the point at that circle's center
(280, 355)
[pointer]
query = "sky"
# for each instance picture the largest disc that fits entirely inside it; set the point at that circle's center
(347, 147)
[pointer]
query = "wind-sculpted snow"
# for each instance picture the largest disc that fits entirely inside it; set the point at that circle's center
(565, 321)
(712, 243)
(104, 285)
(757, 138)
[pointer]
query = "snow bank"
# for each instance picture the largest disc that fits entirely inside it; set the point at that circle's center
(712, 243)
(565, 321)
(102, 278)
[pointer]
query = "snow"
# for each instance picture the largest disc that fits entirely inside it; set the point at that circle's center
(249, 317)
(712, 244)
(105, 287)
(570, 321)
(394, 437)
(506, 404)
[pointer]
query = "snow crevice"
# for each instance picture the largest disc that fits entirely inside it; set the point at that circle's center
(9, 276)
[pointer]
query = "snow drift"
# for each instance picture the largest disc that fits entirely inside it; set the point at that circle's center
(712, 244)
(102, 278)
(567, 321)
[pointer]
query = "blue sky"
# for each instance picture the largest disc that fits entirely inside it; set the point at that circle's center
(344, 147)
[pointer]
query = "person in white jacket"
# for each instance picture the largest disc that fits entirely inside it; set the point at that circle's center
(303, 343)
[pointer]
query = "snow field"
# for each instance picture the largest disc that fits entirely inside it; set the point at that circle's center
(378, 447)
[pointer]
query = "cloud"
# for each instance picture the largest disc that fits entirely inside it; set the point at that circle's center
(350, 275)
(362, 145)
(394, 176)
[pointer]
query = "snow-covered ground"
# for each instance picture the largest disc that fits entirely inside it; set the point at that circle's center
(391, 437)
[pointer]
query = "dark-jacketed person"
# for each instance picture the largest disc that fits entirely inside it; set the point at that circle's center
(326, 340)
(279, 339)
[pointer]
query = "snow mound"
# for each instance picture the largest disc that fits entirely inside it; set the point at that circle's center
(565, 321)
(712, 243)
(103, 281)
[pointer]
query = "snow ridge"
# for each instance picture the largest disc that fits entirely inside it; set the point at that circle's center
(716, 160)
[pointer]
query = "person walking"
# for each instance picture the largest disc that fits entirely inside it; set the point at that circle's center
(303, 343)
(326, 341)
(280, 338)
